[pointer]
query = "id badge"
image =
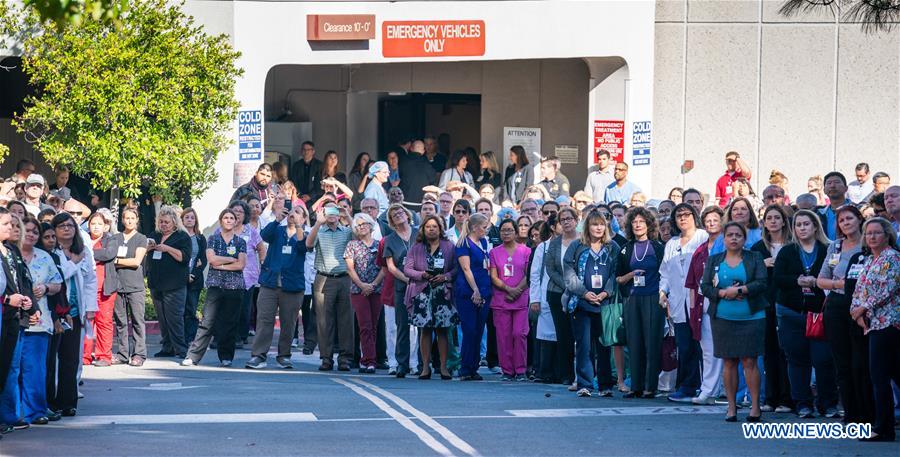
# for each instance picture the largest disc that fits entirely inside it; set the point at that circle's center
(286, 249)
(834, 259)
(157, 255)
(507, 270)
(487, 263)
(808, 291)
(439, 264)
(715, 279)
(640, 281)
(231, 250)
(596, 281)
(123, 252)
(854, 271)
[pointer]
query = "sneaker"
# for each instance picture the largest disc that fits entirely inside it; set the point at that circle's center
(225, 363)
(381, 366)
(295, 343)
(745, 404)
(767, 408)
(392, 371)
(806, 413)
(606, 393)
(187, 363)
(583, 392)
(327, 365)
(680, 397)
(521, 378)
(833, 413)
(80, 395)
(307, 351)
(101, 363)
(784, 409)
(136, 361)
(507, 378)
(255, 363)
(370, 369)
(703, 400)
(496, 370)
(251, 333)
(21, 425)
(482, 363)
(284, 362)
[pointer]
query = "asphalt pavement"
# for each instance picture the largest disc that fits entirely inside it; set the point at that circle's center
(163, 409)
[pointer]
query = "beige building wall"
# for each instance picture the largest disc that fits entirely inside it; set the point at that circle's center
(805, 95)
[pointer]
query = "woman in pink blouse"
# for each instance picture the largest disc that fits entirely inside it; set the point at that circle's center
(876, 308)
(509, 268)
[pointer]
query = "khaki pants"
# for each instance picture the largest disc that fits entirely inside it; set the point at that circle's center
(334, 315)
(288, 306)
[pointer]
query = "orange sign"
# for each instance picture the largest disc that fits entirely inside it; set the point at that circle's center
(432, 38)
(340, 27)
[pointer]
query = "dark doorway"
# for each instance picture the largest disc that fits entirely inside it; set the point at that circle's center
(420, 114)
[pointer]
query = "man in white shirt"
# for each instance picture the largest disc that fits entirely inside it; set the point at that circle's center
(599, 179)
(861, 187)
(34, 189)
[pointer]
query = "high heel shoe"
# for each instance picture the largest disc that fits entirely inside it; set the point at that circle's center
(754, 418)
(425, 375)
(446, 377)
(730, 418)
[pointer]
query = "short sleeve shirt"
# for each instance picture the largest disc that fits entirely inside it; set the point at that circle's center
(395, 248)
(43, 271)
(364, 263)
(479, 257)
(232, 280)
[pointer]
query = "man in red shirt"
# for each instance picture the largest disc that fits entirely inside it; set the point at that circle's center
(735, 168)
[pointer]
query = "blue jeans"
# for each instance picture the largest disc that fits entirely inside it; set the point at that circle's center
(472, 320)
(589, 353)
(802, 356)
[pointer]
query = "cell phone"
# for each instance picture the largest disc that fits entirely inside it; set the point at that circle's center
(332, 211)
(288, 204)
(65, 325)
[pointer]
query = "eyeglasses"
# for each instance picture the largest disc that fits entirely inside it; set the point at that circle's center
(682, 215)
(566, 219)
(446, 202)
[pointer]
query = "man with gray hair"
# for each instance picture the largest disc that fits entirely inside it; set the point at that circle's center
(806, 201)
(773, 194)
(892, 205)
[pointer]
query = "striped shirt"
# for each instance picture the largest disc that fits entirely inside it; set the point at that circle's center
(330, 246)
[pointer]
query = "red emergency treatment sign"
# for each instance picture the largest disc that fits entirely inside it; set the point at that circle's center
(432, 38)
(610, 135)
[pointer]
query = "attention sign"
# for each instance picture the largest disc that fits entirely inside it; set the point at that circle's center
(432, 38)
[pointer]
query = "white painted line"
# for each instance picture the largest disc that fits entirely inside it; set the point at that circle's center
(455, 440)
(408, 424)
(630, 411)
(146, 419)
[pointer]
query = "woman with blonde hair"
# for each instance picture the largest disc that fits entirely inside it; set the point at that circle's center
(169, 248)
(777, 178)
(490, 171)
(472, 292)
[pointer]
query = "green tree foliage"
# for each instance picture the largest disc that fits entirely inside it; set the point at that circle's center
(146, 102)
(75, 12)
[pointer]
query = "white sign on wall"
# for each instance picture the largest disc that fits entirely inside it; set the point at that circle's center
(527, 137)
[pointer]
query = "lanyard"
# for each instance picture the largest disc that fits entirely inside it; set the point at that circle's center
(808, 259)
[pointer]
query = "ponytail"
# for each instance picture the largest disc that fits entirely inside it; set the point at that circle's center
(474, 219)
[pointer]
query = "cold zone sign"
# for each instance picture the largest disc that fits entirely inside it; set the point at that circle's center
(432, 38)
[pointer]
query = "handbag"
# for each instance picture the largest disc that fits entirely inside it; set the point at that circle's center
(815, 325)
(669, 352)
(612, 321)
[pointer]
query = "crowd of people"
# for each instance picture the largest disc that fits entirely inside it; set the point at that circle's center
(433, 263)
